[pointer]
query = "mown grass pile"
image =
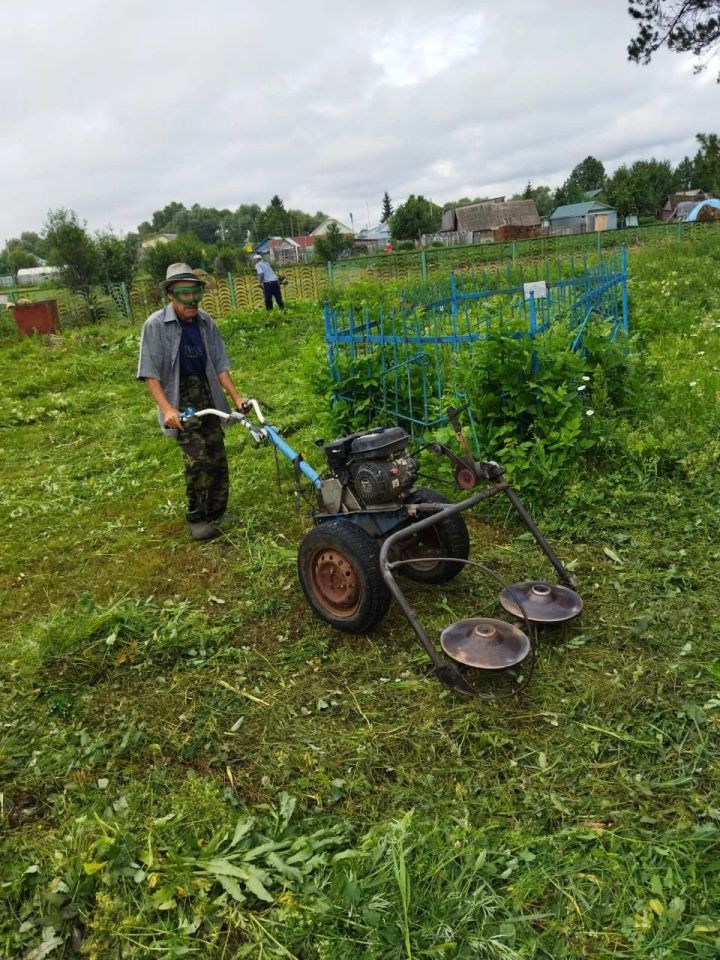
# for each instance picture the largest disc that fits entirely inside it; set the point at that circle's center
(191, 765)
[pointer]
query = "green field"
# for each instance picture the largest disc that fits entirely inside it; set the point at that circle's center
(191, 765)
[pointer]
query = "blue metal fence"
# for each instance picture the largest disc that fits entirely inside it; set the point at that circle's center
(396, 362)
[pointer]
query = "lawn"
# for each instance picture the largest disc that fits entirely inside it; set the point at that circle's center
(192, 765)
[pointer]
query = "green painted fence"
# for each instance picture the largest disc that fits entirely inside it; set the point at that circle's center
(310, 282)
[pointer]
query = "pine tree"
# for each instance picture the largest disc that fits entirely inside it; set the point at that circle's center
(387, 208)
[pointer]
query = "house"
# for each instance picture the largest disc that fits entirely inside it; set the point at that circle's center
(492, 221)
(677, 206)
(280, 249)
(323, 227)
(373, 239)
(306, 242)
(586, 217)
(594, 194)
(149, 242)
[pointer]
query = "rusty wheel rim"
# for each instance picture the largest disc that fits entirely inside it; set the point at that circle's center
(335, 583)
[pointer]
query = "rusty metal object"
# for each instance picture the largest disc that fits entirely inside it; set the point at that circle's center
(541, 602)
(485, 643)
(335, 582)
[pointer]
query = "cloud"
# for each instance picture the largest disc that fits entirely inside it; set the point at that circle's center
(115, 110)
(413, 52)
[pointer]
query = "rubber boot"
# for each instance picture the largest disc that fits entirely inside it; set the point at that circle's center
(202, 530)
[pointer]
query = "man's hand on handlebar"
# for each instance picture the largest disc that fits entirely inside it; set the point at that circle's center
(172, 419)
(242, 404)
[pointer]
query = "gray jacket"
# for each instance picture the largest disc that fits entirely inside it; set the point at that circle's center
(159, 349)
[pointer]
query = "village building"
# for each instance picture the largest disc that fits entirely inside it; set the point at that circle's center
(491, 221)
(589, 216)
(678, 205)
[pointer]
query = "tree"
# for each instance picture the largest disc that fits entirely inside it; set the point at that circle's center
(328, 248)
(706, 165)
(73, 250)
(641, 188)
(685, 174)
(415, 217)
(15, 257)
(163, 220)
(542, 196)
(226, 261)
(117, 257)
(589, 175)
(273, 220)
(387, 208)
(684, 26)
(569, 192)
(186, 248)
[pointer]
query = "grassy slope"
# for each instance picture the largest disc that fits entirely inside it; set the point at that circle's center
(156, 692)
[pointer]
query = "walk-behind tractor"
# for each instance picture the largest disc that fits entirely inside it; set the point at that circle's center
(371, 522)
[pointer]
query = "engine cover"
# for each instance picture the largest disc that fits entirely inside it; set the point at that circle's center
(380, 481)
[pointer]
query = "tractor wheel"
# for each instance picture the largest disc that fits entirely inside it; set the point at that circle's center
(339, 570)
(446, 539)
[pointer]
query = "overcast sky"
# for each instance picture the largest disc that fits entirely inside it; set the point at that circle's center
(113, 109)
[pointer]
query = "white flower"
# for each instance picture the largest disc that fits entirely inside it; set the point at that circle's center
(589, 413)
(701, 353)
(582, 387)
(586, 379)
(693, 383)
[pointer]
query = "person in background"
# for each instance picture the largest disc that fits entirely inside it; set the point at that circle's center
(184, 364)
(269, 282)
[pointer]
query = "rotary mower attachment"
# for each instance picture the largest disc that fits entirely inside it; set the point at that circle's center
(493, 659)
(371, 522)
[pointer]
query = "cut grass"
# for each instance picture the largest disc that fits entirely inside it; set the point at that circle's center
(158, 695)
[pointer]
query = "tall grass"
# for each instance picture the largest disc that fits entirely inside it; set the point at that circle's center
(192, 766)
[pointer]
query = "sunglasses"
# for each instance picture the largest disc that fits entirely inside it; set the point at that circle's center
(193, 292)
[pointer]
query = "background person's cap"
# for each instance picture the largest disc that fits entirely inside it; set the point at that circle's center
(180, 271)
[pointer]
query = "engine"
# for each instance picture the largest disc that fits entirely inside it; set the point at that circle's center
(375, 464)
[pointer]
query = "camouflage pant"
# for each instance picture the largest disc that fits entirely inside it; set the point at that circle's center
(207, 480)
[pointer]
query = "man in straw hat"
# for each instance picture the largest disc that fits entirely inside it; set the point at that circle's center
(184, 364)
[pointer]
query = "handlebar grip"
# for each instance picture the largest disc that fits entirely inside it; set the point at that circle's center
(188, 414)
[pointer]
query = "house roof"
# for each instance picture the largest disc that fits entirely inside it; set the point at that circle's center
(272, 243)
(710, 204)
(490, 215)
(380, 232)
(304, 241)
(579, 209)
(282, 241)
(322, 228)
(592, 194)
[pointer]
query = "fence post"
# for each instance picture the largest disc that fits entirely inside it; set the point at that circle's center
(231, 290)
(453, 295)
(330, 271)
(423, 265)
(533, 314)
(514, 252)
(126, 300)
(623, 270)
(533, 330)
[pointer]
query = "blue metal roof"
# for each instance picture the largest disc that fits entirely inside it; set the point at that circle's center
(692, 216)
(579, 209)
